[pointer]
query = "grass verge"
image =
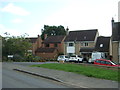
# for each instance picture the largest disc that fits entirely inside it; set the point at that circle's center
(90, 71)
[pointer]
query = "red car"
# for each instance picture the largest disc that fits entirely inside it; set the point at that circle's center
(105, 62)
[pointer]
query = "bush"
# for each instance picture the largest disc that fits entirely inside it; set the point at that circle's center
(32, 58)
(18, 58)
(4, 58)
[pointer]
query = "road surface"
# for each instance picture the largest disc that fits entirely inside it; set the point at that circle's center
(15, 79)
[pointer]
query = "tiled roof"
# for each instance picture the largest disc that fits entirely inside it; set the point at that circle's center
(116, 31)
(45, 50)
(102, 44)
(54, 39)
(82, 35)
(32, 40)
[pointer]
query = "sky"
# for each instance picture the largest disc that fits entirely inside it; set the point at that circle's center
(18, 17)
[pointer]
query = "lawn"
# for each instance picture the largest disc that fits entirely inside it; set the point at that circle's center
(90, 71)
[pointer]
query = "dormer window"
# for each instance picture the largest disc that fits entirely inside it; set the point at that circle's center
(101, 45)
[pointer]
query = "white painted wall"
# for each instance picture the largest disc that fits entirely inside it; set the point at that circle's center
(70, 49)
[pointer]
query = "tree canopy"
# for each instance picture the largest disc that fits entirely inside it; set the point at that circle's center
(53, 30)
(15, 45)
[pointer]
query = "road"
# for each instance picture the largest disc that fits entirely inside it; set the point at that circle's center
(15, 79)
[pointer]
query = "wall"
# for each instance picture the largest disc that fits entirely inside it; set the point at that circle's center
(48, 55)
(36, 45)
(77, 47)
(115, 51)
(110, 48)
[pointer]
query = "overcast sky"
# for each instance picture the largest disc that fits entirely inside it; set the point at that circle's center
(29, 16)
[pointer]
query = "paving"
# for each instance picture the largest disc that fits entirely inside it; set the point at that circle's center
(69, 77)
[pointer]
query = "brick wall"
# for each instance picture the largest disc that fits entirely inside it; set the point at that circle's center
(48, 55)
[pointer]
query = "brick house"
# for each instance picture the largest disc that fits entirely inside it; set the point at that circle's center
(116, 41)
(81, 42)
(51, 47)
(36, 43)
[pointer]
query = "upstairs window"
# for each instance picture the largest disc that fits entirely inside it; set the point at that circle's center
(84, 44)
(71, 44)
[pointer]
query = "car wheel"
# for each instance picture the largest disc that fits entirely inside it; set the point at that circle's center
(78, 60)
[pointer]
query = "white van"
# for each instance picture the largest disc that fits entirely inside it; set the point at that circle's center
(96, 55)
(63, 58)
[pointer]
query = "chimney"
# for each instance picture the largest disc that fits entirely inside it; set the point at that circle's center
(45, 36)
(67, 30)
(112, 20)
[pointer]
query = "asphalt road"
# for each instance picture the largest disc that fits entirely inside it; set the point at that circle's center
(15, 79)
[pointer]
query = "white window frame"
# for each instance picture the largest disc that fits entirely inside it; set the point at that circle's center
(71, 43)
(84, 44)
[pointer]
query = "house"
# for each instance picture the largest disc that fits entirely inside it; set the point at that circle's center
(81, 42)
(103, 44)
(36, 43)
(51, 47)
(116, 41)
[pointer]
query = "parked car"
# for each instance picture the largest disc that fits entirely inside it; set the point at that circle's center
(63, 58)
(75, 58)
(105, 62)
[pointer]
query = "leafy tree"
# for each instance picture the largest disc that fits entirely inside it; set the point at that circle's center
(53, 30)
(15, 46)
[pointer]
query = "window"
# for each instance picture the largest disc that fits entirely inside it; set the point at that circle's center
(47, 45)
(71, 44)
(84, 44)
(66, 56)
(55, 45)
(101, 45)
(98, 61)
(107, 62)
(103, 62)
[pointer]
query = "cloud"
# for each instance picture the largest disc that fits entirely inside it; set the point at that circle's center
(12, 32)
(11, 8)
(17, 20)
(36, 28)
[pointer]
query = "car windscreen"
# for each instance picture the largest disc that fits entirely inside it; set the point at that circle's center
(60, 56)
(66, 56)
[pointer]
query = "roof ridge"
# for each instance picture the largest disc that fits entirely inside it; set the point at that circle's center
(85, 30)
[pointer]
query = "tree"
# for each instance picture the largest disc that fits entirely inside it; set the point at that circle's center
(15, 46)
(53, 30)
